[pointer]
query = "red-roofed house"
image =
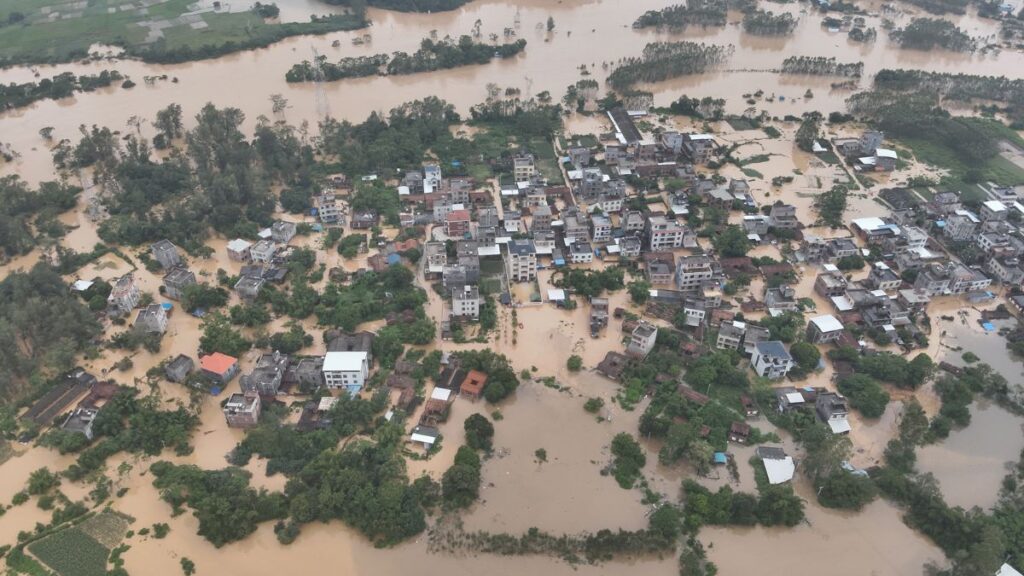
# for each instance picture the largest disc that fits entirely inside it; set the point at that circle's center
(473, 385)
(456, 224)
(221, 367)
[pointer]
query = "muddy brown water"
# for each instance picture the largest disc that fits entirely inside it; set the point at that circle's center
(587, 33)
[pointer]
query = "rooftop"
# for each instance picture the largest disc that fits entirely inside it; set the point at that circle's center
(217, 363)
(344, 361)
(773, 348)
(827, 323)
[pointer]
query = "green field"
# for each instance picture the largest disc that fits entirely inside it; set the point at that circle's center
(82, 550)
(71, 552)
(62, 30)
(996, 169)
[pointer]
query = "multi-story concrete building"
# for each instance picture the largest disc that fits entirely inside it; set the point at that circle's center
(642, 339)
(664, 234)
(541, 219)
(263, 251)
(124, 296)
(882, 277)
(523, 167)
(166, 254)
(825, 328)
(266, 375)
(601, 228)
(521, 261)
(783, 216)
(151, 319)
(693, 271)
(242, 410)
(327, 208)
(771, 359)
(176, 280)
(466, 302)
(346, 370)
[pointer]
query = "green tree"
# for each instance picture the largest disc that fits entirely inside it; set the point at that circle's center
(628, 459)
(732, 242)
(479, 432)
(831, 206)
(574, 363)
(639, 292)
(219, 336)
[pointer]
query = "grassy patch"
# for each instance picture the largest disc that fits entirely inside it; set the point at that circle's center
(739, 123)
(72, 552)
(107, 528)
(996, 169)
(41, 38)
(751, 173)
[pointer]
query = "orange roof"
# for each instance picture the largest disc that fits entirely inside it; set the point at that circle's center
(474, 382)
(458, 215)
(217, 363)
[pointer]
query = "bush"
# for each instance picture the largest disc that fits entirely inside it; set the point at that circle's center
(479, 432)
(865, 394)
(628, 461)
(574, 363)
(593, 405)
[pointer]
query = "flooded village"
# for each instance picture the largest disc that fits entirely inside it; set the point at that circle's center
(702, 288)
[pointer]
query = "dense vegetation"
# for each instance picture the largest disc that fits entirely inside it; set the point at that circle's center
(865, 394)
(381, 143)
(227, 508)
(28, 215)
(220, 180)
(665, 60)
(59, 86)
(680, 16)
(42, 328)
(976, 541)
(821, 66)
(136, 425)
(255, 36)
(363, 483)
(432, 55)
(930, 33)
(962, 87)
(706, 108)
(766, 23)
(967, 147)
(502, 380)
(373, 296)
(831, 206)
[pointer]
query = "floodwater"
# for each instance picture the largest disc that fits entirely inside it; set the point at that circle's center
(587, 33)
(873, 541)
(971, 463)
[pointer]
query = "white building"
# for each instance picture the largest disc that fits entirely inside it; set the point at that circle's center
(521, 261)
(347, 370)
(663, 234)
(642, 340)
(771, 360)
(523, 167)
(263, 251)
(466, 302)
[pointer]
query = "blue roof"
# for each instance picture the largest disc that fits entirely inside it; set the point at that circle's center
(721, 458)
(394, 258)
(988, 326)
(772, 348)
(215, 390)
(167, 305)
